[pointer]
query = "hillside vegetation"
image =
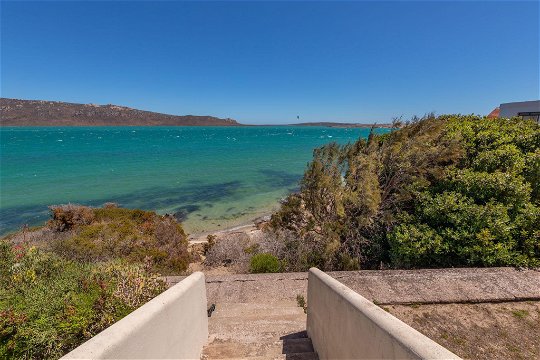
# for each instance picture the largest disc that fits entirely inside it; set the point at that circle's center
(439, 192)
(87, 268)
(50, 305)
(88, 234)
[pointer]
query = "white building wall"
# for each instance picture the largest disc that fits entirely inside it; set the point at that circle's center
(509, 110)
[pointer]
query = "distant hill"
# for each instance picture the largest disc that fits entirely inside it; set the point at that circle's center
(344, 125)
(15, 112)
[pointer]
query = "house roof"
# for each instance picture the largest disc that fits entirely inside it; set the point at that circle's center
(494, 113)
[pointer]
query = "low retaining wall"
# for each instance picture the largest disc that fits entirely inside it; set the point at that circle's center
(173, 325)
(344, 325)
(385, 287)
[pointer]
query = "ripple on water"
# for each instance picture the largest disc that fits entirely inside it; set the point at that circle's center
(220, 175)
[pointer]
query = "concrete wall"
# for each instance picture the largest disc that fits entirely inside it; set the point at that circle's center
(173, 325)
(509, 110)
(344, 325)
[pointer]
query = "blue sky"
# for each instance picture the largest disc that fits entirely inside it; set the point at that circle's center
(267, 62)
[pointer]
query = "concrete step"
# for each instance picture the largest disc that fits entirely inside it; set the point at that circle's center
(301, 356)
(230, 349)
(252, 330)
(297, 335)
(302, 345)
(300, 349)
(259, 317)
(248, 310)
(258, 331)
(250, 323)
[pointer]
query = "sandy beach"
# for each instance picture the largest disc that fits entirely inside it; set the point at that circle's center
(246, 227)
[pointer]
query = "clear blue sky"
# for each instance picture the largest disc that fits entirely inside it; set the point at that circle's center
(267, 62)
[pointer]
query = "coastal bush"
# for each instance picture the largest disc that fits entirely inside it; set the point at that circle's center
(110, 233)
(50, 305)
(210, 242)
(294, 252)
(440, 191)
(230, 250)
(66, 217)
(264, 263)
(39, 236)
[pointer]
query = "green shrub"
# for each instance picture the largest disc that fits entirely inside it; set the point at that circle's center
(264, 263)
(447, 191)
(50, 305)
(301, 302)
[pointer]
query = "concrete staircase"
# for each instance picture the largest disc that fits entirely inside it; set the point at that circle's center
(274, 330)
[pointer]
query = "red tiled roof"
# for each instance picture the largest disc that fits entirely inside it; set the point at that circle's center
(494, 113)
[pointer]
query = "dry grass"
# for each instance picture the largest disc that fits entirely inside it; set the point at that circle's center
(497, 331)
(232, 250)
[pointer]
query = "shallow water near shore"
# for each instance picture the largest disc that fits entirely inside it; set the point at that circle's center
(210, 177)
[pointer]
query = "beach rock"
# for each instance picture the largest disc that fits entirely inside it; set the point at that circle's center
(262, 222)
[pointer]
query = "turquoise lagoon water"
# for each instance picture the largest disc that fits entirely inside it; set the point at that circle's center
(210, 177)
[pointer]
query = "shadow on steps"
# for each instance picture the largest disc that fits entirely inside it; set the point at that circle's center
(298, 346)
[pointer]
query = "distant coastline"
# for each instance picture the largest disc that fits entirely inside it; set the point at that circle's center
(18, 112)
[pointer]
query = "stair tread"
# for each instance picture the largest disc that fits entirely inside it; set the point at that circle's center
(302, 356)
(279, 326)
(297, 346)
(233, 348)
(258, 331)
(221, 312)
(256, 305)
(239, 350)
(258, 317)
(297, 335)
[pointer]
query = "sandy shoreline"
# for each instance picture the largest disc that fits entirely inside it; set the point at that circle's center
(245, 227)
(219, 222)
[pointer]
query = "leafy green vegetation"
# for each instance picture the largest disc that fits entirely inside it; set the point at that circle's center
(301, 302)
(445, 191)
(87, 268)
(520, 314)
(50, 305)
(264, 263)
